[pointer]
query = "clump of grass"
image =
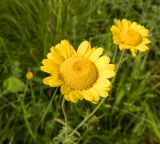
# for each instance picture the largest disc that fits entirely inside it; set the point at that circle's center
(32, 113)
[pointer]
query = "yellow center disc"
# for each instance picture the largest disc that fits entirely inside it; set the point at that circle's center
(78, 73)
(131, 37)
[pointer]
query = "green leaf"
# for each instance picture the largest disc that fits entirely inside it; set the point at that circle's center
(13, 85)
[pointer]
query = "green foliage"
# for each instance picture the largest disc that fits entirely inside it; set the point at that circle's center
(13, 85)
(31, 112)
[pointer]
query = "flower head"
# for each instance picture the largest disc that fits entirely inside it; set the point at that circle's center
(81, 74)
(29, 75)
(130, 35)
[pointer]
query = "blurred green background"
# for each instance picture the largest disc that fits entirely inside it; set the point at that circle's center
(28, 28)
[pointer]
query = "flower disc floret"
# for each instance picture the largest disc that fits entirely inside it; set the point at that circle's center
(78, 73)
(131, 37)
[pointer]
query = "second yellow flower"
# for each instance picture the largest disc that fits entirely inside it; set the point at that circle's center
(130, 35)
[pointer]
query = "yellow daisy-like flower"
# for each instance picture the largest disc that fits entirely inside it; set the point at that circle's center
(81, 75)
(130, 35)
(29, 75)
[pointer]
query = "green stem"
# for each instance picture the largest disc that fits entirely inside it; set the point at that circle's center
(65, 117)
(25, 114)
(32, 92)
(26, 121)
(64, 113)
(88, 117)
(114, 54)
(120, 61)
(118, 66)
(49, 105)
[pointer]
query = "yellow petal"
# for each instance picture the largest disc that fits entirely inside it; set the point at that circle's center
(143, 31)
(46, 80)
(89, 52)
(72, 97)
(65, 49)
(146, 41)
(123, 46)
(66, 97)
(134, 51)
(119, 24)
(65, 89)
(86, 95)
(100, 62)
(49, 66)
(95, 54)
(107, 67)
(102, 92)
(83, 48)
(78, 95)
(47, 69)
(115, 30)
(49, 62)
(111, 67)
(117, 39)
(55, 57)
(143, 48)
(94, 94)
(126, 23)
(53, 81)
(106, 73)
(134, 25)
(104, 84)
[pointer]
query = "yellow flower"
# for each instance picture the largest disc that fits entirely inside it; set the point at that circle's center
(130, 35)
(29, 75)
(81, 75)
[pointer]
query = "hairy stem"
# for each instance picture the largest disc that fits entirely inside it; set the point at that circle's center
(88, 117)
